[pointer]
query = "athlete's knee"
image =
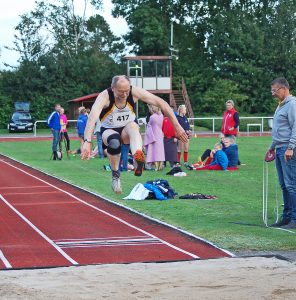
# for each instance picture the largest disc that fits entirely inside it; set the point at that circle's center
(132, 126)
(114, 144)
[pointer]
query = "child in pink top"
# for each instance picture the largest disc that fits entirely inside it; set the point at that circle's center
(64, 133)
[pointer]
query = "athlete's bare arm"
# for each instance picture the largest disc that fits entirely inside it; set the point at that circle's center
(101, 102)
(147, 97)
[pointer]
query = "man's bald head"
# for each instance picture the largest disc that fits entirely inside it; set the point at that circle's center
(120, 80)
(121, 87)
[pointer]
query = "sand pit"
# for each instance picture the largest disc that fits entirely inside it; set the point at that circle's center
(229, 278)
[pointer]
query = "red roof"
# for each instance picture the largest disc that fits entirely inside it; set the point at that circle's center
(80, 99)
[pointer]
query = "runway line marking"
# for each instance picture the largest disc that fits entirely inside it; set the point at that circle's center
(45, 203)
(108, 242)
(5, 261)
(106, 213)
(34, 193)
(23, 187)
(104, 238)
(66, 256)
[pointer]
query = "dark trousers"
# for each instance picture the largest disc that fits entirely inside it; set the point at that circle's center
(64, 135)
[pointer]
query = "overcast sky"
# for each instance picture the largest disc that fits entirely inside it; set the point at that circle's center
(9, 18)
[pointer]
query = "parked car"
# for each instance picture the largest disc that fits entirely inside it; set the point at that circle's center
(21, 119)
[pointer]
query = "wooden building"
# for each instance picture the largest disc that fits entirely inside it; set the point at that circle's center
(154, 74)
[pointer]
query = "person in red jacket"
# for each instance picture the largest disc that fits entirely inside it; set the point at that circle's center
(170, 142)
(230, 121)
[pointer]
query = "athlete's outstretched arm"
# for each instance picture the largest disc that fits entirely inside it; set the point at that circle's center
(100, 103)
(150, 98)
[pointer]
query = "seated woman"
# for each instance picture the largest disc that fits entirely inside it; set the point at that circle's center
(220, 160)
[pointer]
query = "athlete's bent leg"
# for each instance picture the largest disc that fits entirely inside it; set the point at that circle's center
(112, 140)
(131, 134)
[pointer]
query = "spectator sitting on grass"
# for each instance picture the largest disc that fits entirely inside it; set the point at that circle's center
(231, 151)
(220, 160)
(208, 155)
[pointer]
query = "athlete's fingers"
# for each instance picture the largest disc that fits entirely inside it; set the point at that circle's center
(183, 137)
(85, 155)
(86, 151)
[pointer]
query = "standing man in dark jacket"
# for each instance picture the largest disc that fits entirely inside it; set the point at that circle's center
(230, 121)
(54, 123)
(283, 143)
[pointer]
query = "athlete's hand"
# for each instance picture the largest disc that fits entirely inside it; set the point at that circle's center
(86, 151)
(181, 134)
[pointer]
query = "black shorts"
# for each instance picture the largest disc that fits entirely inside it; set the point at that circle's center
(119, 130)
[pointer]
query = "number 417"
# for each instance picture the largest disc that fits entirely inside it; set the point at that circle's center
(122, 118)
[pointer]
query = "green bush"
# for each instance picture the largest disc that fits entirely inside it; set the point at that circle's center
(6, 105)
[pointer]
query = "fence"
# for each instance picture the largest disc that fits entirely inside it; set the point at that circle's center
(215, 123)
(45, 123)
(210, 122)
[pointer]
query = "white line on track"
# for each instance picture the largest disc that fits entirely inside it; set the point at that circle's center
(31, 193)
(108, 214)
(5, 261)
(45, 203)
(22, 187)
(66, 256)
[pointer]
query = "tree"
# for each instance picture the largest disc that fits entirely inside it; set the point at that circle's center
(148, 34)
(63, 56)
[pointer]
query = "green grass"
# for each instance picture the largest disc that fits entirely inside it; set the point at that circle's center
(239, 193)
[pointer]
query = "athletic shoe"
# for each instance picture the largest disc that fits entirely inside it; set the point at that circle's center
(189, 167)
(198, 164)
(107, 168)
(139, 158)
(116, 185)
(291, 225)
(280, 223)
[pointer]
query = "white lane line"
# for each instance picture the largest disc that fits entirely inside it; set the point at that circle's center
(5, 261)
(114, 246)
(45, 203)
(30, 193)
(101, 238)
(108, 214)
(22, 187)
(66, 256)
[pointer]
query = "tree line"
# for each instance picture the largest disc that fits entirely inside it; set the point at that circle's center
(226, 49)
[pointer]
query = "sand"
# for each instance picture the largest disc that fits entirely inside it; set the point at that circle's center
(230, 278)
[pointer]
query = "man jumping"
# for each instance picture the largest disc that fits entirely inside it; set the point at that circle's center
(115, 108)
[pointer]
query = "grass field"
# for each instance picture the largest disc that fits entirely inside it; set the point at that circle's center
(233, 221)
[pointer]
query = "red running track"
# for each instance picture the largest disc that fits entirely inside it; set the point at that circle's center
(45, 222)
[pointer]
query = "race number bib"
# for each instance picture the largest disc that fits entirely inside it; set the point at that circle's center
(120, 119)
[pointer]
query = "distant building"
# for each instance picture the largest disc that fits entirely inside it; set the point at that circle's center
(154, 74)
(86, 101)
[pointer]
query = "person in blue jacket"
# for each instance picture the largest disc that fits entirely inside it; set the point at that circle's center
(220, 160)
(81, 124)
(54, 123)
(231, 151)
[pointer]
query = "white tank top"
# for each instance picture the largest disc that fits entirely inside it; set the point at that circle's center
(114, 117)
